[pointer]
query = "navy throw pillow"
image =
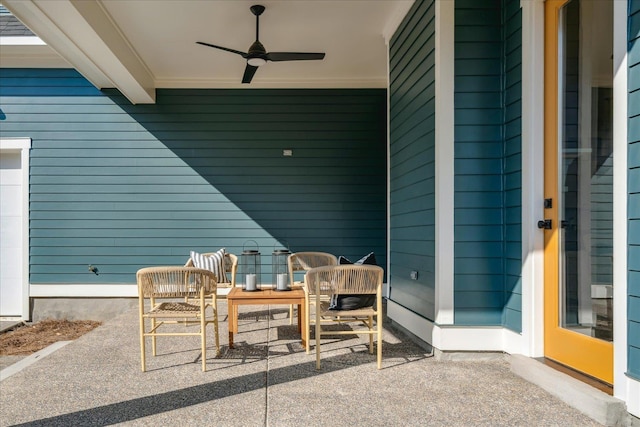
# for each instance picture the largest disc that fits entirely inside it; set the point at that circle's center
(368, 259)
(354, 301)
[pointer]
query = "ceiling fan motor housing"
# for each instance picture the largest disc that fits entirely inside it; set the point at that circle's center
(256, 50)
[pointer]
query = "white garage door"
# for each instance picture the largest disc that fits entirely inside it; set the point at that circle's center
(11, 193)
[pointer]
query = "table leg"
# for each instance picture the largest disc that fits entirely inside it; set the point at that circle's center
(233, 321)
(232, 316)
(236, 309)
(303, 323)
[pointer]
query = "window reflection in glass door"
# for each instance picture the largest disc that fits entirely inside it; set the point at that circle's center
(586, 168)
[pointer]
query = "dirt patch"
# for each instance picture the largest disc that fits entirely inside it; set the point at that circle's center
(29, 338)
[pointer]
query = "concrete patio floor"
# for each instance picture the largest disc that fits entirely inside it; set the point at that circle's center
(269, 380)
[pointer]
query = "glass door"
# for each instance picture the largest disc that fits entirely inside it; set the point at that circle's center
(579, 185)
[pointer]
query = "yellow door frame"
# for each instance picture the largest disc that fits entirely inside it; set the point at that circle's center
(591, 356)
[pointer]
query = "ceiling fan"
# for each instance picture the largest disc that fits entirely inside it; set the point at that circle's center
(258, 55)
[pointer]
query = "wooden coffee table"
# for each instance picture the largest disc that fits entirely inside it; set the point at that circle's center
(265, 297)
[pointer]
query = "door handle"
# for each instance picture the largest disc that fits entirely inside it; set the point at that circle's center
(545, 224)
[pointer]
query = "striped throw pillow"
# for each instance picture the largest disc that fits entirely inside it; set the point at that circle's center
(213, 262)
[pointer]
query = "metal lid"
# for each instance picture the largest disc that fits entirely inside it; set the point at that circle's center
(250, 252)
(281, 251)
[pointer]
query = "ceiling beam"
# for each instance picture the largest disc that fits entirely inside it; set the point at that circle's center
(83, 33)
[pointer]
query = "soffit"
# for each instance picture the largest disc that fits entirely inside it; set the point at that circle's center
(139, 45)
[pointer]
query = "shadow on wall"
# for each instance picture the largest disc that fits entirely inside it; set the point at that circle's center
(120, 186)
(304, 167)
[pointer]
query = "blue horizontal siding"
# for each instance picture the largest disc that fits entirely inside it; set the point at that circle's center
(412, 160)
(634, 334)
(479, 283)
(633, 162)
(488, 163)
(480, 265)
(479, 316)
(123, 186)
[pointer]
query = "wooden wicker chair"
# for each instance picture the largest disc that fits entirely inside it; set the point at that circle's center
(305, 261)
(161, 296)
(230, 270)
(323, 282)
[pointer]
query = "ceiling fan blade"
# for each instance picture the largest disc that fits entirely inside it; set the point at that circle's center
(249, 71)
(294, 56)
(244, 55)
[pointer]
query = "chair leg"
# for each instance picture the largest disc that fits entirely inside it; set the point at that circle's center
(370, 335)
(215, 328)
(141, 329)
(307, 330)
(307, 335)
(291, 314)
(379, 326)
(317, 337)
(142, 347)
(203, 338)
(153, 337)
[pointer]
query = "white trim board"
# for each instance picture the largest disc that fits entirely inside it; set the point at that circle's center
(632, 396)
(456, 338)
(21, 41)
(620, 145)
(444, 161)
(76, 290)
(22, 145)
(83, 290)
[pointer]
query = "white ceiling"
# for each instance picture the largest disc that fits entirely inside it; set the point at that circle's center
(140, 45)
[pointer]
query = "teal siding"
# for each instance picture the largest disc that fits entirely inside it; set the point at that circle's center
(633, 367)
(488, 254)
(512, 161)
(122, 186)
(488, 163)
(412, 160)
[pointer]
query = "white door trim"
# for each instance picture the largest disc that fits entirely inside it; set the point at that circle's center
(22, 146)
(624, 387)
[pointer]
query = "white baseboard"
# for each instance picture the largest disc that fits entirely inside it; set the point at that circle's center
(417, 325)
(456, 338)
(83, 290)
(79, 290)
(633, 397)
